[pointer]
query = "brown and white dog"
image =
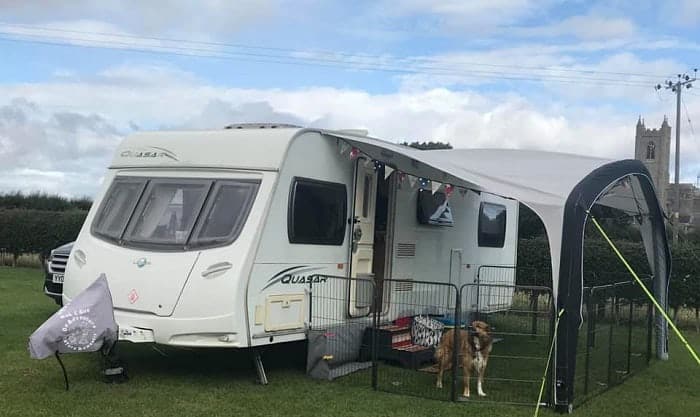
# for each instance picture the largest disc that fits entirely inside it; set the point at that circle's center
(474, 349)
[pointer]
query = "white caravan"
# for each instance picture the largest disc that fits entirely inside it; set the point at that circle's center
(210, 238)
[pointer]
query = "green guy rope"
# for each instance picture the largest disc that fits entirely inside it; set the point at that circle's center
(549, 358)
(646, 291)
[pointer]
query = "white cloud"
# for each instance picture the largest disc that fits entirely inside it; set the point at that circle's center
(587, 27)
(684, 13)
(201, 18)
(53, 151)
(466, 16)
(46, 146)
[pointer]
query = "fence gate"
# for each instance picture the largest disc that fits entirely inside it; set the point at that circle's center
(521, 319)
(406, 340)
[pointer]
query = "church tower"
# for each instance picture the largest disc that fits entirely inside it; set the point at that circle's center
(653, 148)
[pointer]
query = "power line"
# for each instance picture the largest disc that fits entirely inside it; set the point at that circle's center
(324, 52)
(338, 64)
(690, 123)
(299, 54)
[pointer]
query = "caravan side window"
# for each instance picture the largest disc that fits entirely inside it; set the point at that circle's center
(492, 225)
(317, 212)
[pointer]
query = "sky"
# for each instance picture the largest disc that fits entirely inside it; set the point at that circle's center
(76, 77)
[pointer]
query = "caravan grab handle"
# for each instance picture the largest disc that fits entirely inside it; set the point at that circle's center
(217, 269)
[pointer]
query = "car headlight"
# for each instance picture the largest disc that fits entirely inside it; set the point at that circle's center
(47, 262)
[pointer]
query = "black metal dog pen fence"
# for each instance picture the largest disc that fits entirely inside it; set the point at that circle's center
(366, 332)
(615, 338)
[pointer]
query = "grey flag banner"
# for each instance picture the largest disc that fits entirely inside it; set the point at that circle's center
(84, 325)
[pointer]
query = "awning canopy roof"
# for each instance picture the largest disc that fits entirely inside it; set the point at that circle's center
(541, 180)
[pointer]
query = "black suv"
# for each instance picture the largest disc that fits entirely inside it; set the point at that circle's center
(55, 268)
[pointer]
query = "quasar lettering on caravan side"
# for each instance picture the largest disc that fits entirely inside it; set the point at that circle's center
(216, 238)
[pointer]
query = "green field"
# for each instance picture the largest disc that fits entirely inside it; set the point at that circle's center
(177, 382)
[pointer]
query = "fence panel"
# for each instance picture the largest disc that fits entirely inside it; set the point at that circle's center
(407, 334)
(340, 329)
(521, 320)
(385, 334)
(615, 338)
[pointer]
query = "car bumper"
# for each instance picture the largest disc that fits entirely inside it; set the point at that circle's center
(53, 290)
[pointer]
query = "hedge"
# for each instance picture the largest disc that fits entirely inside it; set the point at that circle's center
(42, 201)
(602, 266)
(38, 231)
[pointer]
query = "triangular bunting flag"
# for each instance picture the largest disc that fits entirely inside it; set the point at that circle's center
(344, 147)
(449, 189)
(435, 186)
(387, 171)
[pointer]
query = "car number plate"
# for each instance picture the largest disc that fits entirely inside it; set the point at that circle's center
(57, 278)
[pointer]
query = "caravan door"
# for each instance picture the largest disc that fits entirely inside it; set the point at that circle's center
(363, 238)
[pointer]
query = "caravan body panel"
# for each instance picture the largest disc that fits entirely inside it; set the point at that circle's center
(284, 270)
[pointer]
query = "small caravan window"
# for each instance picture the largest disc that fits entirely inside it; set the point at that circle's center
(317, 212)
(227, 211)
(492, 225)
(120, 200)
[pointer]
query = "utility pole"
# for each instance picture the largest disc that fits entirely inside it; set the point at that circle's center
(684, 80)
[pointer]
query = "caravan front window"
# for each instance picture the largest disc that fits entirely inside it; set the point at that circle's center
(174, 214)
(117, 206)
(221, 224)
(167, 211)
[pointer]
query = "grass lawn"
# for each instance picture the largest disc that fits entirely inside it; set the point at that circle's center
(221, 383)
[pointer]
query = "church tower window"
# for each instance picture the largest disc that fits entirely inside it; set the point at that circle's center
(651, 150)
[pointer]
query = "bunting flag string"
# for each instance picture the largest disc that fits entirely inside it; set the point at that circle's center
(423, 183)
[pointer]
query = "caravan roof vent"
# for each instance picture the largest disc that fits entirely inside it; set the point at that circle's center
(262, 126)
(354, 132)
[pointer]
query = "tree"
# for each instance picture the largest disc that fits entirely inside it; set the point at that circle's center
(529, 224)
